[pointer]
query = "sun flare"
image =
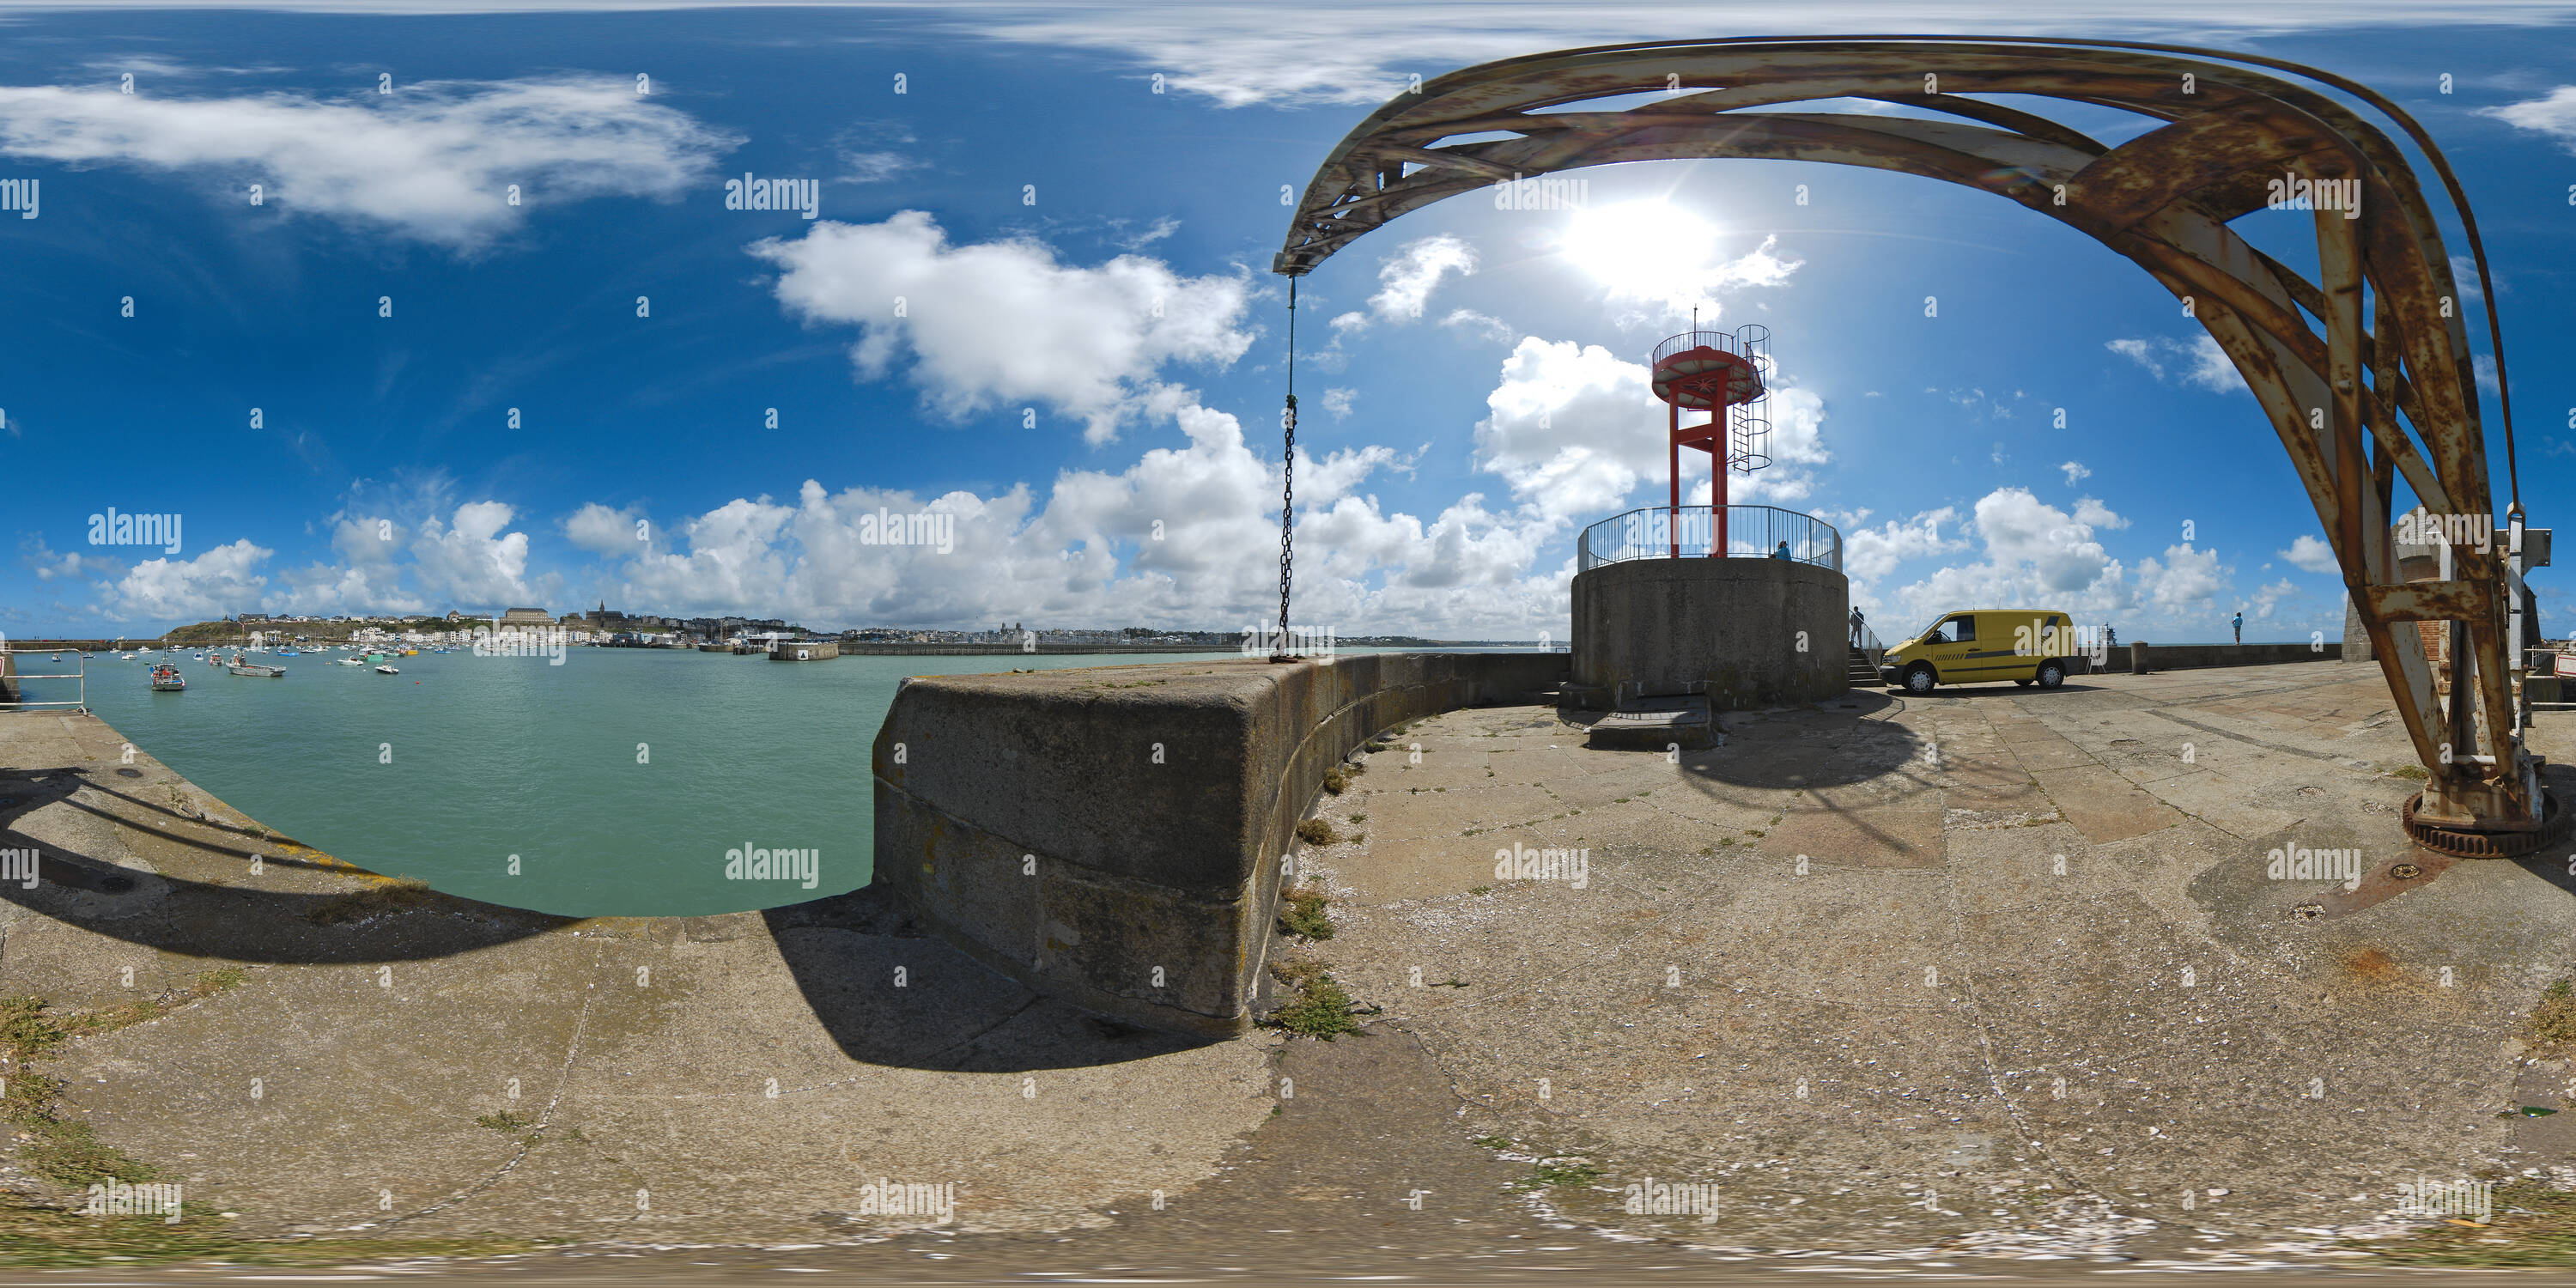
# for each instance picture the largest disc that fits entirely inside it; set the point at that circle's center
(1640, 248)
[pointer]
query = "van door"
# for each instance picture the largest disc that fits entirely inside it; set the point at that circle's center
(1985, 648)
(1951, 646)
(2019, 643)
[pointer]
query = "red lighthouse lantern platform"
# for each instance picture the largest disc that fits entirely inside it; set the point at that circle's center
(1727, 375)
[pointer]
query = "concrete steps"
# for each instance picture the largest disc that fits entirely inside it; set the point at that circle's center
(1655, 723)
(1864, 675)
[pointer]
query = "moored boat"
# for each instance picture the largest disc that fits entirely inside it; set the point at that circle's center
(241, 667)
(387, 670)
(166, 679)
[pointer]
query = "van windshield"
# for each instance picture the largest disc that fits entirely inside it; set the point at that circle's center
(1934, 631)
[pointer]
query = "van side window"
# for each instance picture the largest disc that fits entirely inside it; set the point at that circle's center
(1963, 629)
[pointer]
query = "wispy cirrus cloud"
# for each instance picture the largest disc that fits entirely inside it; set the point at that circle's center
(2197, 362)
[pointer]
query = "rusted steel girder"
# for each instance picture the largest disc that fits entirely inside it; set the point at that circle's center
(2356, 403)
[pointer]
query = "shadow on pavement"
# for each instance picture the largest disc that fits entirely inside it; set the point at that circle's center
(948, 1011)
(192, 905)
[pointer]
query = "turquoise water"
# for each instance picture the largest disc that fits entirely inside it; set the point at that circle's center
(494, 757)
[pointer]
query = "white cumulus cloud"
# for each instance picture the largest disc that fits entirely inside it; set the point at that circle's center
(220, 581)
(1571, 427)
(1003, 322)
(1872, 553)
(2312, 554)
(2093, 514)
(1406, 280)
(473, 560)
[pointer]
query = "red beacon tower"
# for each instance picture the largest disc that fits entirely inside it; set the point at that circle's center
(1727, 375)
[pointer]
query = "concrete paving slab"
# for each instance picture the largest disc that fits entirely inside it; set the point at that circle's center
(2104, 805)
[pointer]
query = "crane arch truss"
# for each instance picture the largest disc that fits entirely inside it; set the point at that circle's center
(2364, 372)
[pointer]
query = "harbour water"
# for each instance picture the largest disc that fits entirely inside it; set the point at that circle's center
(616, 783)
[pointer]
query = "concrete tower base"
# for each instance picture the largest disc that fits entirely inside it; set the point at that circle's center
(1747, 632)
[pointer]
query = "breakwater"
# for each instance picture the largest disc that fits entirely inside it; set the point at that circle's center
(1116, 836)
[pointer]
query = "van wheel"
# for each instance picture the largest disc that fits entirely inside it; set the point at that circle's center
(1919, 679)
(2051, 674)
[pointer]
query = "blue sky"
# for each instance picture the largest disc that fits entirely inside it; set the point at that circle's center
(1088, 366)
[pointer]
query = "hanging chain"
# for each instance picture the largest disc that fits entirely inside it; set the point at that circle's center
(1288, 484)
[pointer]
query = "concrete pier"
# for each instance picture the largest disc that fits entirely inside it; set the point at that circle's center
(1114, 836)
(2004, 946)
(1832, 966)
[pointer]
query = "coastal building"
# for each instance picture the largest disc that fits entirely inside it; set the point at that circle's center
(524, 617)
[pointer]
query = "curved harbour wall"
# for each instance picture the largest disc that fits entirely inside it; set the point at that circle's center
(1114, 835)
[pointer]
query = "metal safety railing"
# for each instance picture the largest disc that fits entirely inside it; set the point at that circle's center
(13, 692)
(1752, 532)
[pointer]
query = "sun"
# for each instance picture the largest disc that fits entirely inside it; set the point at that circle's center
(1640, 248)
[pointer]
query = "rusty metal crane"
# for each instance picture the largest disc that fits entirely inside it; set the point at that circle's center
(2386, 363)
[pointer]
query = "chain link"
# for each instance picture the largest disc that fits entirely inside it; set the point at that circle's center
(1287, 523)
(1279, 651)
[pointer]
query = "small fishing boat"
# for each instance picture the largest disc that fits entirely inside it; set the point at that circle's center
(241, 667)
(349, 661)
(387, 670)
(165, 679)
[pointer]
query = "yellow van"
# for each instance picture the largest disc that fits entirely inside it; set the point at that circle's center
(2023, 645)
